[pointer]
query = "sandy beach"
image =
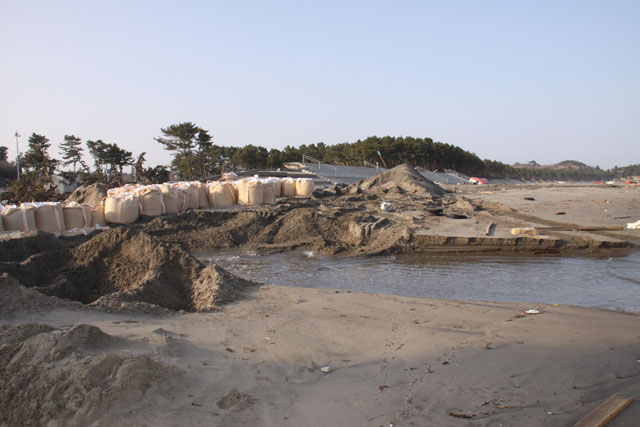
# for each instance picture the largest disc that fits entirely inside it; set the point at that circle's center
(286, 356)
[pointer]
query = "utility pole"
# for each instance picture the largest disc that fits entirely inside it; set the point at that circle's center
(17, 135)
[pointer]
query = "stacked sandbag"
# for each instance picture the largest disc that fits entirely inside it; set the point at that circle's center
(121, 208)
(221, 194)
(97, 217)
(234, 187)
(19, 218)
(191, 195)
(127, 188)
(49, 217)
(250, 192)
(183, 198)
(288, 187)
(275, 182)
(304, 187)
(76, 216)
(170, 198)
(269, 191)
(203, 194)
(151, 200)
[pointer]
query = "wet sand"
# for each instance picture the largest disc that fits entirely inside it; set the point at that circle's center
(388, 360)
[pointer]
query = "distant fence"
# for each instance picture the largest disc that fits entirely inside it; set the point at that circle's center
(320, 165)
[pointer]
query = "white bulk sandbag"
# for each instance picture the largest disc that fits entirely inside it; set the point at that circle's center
(49, 217)
(269, 192)
(203, 194)
(304, 187)
(288, 187)
(183, 198)
(97, 217)
(122, 209)
(20, 218)
(234, 187)
(151, 201)
(250, 192)
(221, 194)
(170, 199)
(191, 193)
(128, 188)
(114, 191)
(76, 215)
(275, 182)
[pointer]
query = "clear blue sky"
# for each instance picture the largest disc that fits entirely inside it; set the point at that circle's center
(507, 80)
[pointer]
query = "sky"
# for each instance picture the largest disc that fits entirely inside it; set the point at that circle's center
(512, 81)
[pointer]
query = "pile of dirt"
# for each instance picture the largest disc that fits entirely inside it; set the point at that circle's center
(89, 194)
(18, 246)
(340, 226)
(123, 268)
(16, 298)
(72, 376)
(401, 179)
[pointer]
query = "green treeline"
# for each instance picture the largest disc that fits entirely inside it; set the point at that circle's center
(196, 156)
(421, 152)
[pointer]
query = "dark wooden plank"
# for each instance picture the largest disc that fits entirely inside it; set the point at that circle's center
(605, 411)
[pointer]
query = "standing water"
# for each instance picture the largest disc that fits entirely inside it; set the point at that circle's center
(612, 283)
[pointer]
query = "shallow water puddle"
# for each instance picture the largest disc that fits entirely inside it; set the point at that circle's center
(589, 282)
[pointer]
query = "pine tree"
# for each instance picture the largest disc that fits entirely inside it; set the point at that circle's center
(181, 138)
(71, 150)
(37, 159)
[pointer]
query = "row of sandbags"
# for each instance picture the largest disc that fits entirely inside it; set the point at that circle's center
(54, 217)
(124, 205)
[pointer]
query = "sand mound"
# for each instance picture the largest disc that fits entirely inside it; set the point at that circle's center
(18, 246)
(402, 178)
(125, 265)
(15, 298)
(89, 194)
(71, 377)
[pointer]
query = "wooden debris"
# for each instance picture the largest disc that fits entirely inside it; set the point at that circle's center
(462, 415)
(537, 230)
(590, 228)
(525, 230)
(490, 229)
(605, 412)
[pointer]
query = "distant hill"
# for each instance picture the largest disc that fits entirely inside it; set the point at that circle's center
(566, 164)
(571, 164)
(627, 171)
(572, 170)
